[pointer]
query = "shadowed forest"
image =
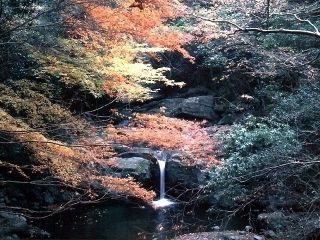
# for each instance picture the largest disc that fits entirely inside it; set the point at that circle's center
(160, 119)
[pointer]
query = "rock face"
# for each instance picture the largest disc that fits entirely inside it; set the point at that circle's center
(141, 163)
(200, 107)
(171, 105)
(187, 176)
(136, 167)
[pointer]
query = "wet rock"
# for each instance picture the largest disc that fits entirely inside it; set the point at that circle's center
(234, 238)
(197, 91)
(11, 237)
(136, 167)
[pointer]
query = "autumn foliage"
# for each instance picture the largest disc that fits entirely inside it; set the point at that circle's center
(157, 131)
(119, 33)
(121, 22)
(69, 163)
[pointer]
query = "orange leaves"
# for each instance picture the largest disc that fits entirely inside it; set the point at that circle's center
(122, 23)
(96, 152)
(168, 133)
(113, 33)
(68, 163)
(140, 20)
(125, 186)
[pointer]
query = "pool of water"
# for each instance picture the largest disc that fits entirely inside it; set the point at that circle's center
(118, 221)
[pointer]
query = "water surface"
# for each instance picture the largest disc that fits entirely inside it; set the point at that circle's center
(118, 221)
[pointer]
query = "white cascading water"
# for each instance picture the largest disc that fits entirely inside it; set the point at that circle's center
(162, 166)
(162, 202)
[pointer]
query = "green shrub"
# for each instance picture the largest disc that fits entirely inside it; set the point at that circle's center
(253, 145)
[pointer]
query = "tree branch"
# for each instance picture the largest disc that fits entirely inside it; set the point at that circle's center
(266, 31)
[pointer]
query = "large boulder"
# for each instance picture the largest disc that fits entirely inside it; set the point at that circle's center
(136, 167)
(141, 163)
(171, 106)
(178, 173)
(200, 107)
(180, 178)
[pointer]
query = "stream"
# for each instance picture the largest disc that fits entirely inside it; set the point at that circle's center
(127, 221)
(123, 221)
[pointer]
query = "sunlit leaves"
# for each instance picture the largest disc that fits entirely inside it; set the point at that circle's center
(114, 32)
(168, 133)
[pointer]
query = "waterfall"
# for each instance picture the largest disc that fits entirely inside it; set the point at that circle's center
(162, 202)
(162, 166)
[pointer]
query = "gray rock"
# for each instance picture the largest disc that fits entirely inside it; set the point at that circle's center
(256, 237)
(199, 107)
(272, 221)
(216, 228)
(12, 223)
(188, 176)
(270, 234)
(135, 166)
(171, 105)
(248, 228)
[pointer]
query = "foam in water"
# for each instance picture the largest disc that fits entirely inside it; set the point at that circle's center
(164, 202)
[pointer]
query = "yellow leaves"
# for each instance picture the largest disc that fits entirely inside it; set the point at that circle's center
(111, 33)
(128, 80)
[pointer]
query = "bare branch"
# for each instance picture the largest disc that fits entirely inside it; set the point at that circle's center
(266, 31)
